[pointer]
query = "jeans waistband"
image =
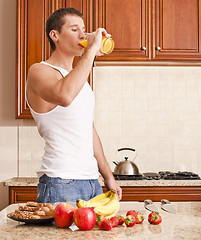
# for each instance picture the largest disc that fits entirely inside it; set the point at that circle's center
(51, 180)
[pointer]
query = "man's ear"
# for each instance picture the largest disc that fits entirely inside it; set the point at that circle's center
(54, 35)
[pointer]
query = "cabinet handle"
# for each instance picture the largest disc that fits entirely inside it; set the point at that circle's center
(144, 48)
(158, 48)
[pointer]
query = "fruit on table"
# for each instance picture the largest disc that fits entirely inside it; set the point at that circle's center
(99, 219)
(84, 218)
(111, 208)
(101, 199)
(106, 204)
(106, 225)
(121, 219)
(138, 216)
(115, 221)
(130, 221)
(63, 215)
(154, 218)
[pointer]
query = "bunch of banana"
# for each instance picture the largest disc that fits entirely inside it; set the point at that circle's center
(106, 204)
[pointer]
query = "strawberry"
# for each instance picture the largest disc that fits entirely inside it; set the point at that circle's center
(115, 221)
(121, 219)
(99, 219)
(138, 216)
(130, 221)
(131, 212)
(106, 225)
(154, 218)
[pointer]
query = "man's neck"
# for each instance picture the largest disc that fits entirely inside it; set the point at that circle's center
(61, 60)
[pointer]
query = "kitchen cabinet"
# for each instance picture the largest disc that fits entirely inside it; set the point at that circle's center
(151, 30)
(21, 194)
(32, 43)
(143, 30)
(128, 22)
(176, 30)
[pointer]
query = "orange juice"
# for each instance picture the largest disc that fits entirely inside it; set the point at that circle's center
(107, 45)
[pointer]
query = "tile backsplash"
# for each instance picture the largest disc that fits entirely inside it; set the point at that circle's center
(155, 110)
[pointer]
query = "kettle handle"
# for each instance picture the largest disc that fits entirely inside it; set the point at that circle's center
(121, 149)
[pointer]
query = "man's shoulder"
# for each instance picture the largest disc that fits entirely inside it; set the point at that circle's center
(37, 67)
(40, 70)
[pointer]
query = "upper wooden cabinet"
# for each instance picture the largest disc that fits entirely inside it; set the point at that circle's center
(151, 29)
(32, 43)
(128, 21)
(143, 30)
(176, 30)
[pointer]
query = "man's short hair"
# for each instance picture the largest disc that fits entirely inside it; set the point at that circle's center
(56, 21)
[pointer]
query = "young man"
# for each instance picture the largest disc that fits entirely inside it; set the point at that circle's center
(62, 104)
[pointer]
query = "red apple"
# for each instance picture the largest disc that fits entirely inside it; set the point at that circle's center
(84, 218)
(63, 215)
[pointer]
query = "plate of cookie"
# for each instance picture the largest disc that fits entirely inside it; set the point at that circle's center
(34, 213)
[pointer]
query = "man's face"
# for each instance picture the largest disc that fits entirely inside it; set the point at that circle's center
(72, 32)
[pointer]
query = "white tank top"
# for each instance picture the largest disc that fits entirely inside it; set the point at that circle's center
(68, 135)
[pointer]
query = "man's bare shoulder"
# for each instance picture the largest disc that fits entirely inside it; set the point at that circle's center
(38, 68)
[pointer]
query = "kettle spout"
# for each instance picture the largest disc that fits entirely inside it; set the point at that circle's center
(115, 163)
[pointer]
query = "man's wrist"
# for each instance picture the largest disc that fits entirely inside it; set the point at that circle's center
(91, 50)
(108, 177)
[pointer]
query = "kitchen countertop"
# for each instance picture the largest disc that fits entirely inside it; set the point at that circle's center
(32, 181)
(185, 224)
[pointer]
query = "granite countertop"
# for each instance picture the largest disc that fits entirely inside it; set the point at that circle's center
(32, 181)
(185, 224)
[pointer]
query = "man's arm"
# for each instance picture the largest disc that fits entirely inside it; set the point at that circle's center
(103, 166)
(63, 91)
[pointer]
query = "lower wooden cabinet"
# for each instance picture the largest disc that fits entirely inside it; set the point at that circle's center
(176, 194)
(22, 194)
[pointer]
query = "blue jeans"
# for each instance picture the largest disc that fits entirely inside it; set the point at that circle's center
(58, 190)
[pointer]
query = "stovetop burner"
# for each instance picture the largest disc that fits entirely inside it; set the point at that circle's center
(179, 176)
(166, 175)
(128, 177)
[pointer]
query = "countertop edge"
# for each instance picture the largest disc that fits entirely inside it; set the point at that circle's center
(33, 181)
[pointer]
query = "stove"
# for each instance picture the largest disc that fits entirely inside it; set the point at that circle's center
(165, 175)
(179, 176)
(128, 177)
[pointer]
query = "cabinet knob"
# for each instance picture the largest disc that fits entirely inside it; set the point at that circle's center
(158, 48)
(144, 48)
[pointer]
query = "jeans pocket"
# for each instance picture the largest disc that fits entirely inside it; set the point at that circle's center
(62, 192)
(41, 188)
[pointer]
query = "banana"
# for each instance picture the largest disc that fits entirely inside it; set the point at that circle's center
(111, 208)
(100, 197)
(106, 204)
(114, 214)
(81, 203)
(99, 200)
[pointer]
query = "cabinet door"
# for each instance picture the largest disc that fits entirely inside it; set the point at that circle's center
(32, 43)
(176, 30)
(128, 23)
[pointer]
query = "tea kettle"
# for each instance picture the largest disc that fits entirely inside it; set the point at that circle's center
(126, 167)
